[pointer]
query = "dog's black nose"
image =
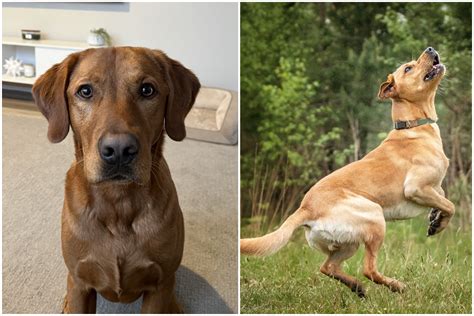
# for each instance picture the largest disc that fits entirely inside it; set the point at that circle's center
(118, 149)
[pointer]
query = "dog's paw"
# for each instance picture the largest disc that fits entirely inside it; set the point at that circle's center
(359, 290)
(397, 286)
(434, 213)
(436, 219)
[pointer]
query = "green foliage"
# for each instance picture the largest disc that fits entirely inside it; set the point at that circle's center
(266, 36)
(292, 124)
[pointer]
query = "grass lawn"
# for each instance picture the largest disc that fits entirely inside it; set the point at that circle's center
(436, 270)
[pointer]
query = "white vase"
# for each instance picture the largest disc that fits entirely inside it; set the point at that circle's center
(95, 40)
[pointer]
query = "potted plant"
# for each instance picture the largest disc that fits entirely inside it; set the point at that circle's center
(99, 37)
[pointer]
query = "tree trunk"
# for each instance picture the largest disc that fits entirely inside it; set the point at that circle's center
(354, 125)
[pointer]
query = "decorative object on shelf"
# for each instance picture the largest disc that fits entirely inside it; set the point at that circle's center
(28, 70)
(31, 34)
(41, 54)
(13, 67)
(99, 37)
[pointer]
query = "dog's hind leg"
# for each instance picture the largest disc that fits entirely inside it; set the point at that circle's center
(372, 247)
(332, 267)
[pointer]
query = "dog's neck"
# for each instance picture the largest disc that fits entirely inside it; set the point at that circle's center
(403, 110)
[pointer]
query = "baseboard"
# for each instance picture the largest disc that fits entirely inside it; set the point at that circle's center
(19, 104)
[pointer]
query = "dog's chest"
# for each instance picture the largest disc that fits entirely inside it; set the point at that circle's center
(118, 263)
(119, 268)
(403, 210)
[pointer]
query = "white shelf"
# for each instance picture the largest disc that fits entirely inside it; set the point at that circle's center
(42, 54)
(22, 80)
(16, 41)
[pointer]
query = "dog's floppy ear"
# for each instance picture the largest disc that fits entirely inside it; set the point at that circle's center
(49, 92)
(387, 89)
(184, 86)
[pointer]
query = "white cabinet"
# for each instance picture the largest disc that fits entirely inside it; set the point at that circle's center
(41, 54)
(46, 57)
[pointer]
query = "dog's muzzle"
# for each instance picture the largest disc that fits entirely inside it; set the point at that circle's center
(118, 152)
(437, 66)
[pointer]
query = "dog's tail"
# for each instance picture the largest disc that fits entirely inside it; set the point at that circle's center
(271, 243)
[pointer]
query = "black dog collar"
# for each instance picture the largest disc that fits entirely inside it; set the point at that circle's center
(413, 123)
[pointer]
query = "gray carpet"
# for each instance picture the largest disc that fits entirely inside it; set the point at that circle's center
(34, 275)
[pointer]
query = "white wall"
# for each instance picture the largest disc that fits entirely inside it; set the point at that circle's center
(203, 36)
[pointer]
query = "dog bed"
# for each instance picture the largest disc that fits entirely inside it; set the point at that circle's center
(213, 117)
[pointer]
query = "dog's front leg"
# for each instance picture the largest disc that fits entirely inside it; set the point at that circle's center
(442, 208)
(79, 300)
(162, 300)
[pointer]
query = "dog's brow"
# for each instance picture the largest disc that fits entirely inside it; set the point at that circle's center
(91, 78)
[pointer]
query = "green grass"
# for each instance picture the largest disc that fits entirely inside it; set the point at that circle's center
(436, 270)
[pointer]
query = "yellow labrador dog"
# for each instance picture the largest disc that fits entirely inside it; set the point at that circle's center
(399, 179)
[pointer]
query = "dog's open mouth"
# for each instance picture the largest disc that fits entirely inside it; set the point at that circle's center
(436, 69)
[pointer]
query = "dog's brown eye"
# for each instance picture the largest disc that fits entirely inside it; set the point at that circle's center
(407, 69)
(85, 91)
(147, 90)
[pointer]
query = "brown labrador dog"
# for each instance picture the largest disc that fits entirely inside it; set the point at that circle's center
(399, 179)
(122, 228)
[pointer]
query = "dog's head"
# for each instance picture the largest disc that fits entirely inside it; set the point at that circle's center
(117, 102)
(416, 80)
